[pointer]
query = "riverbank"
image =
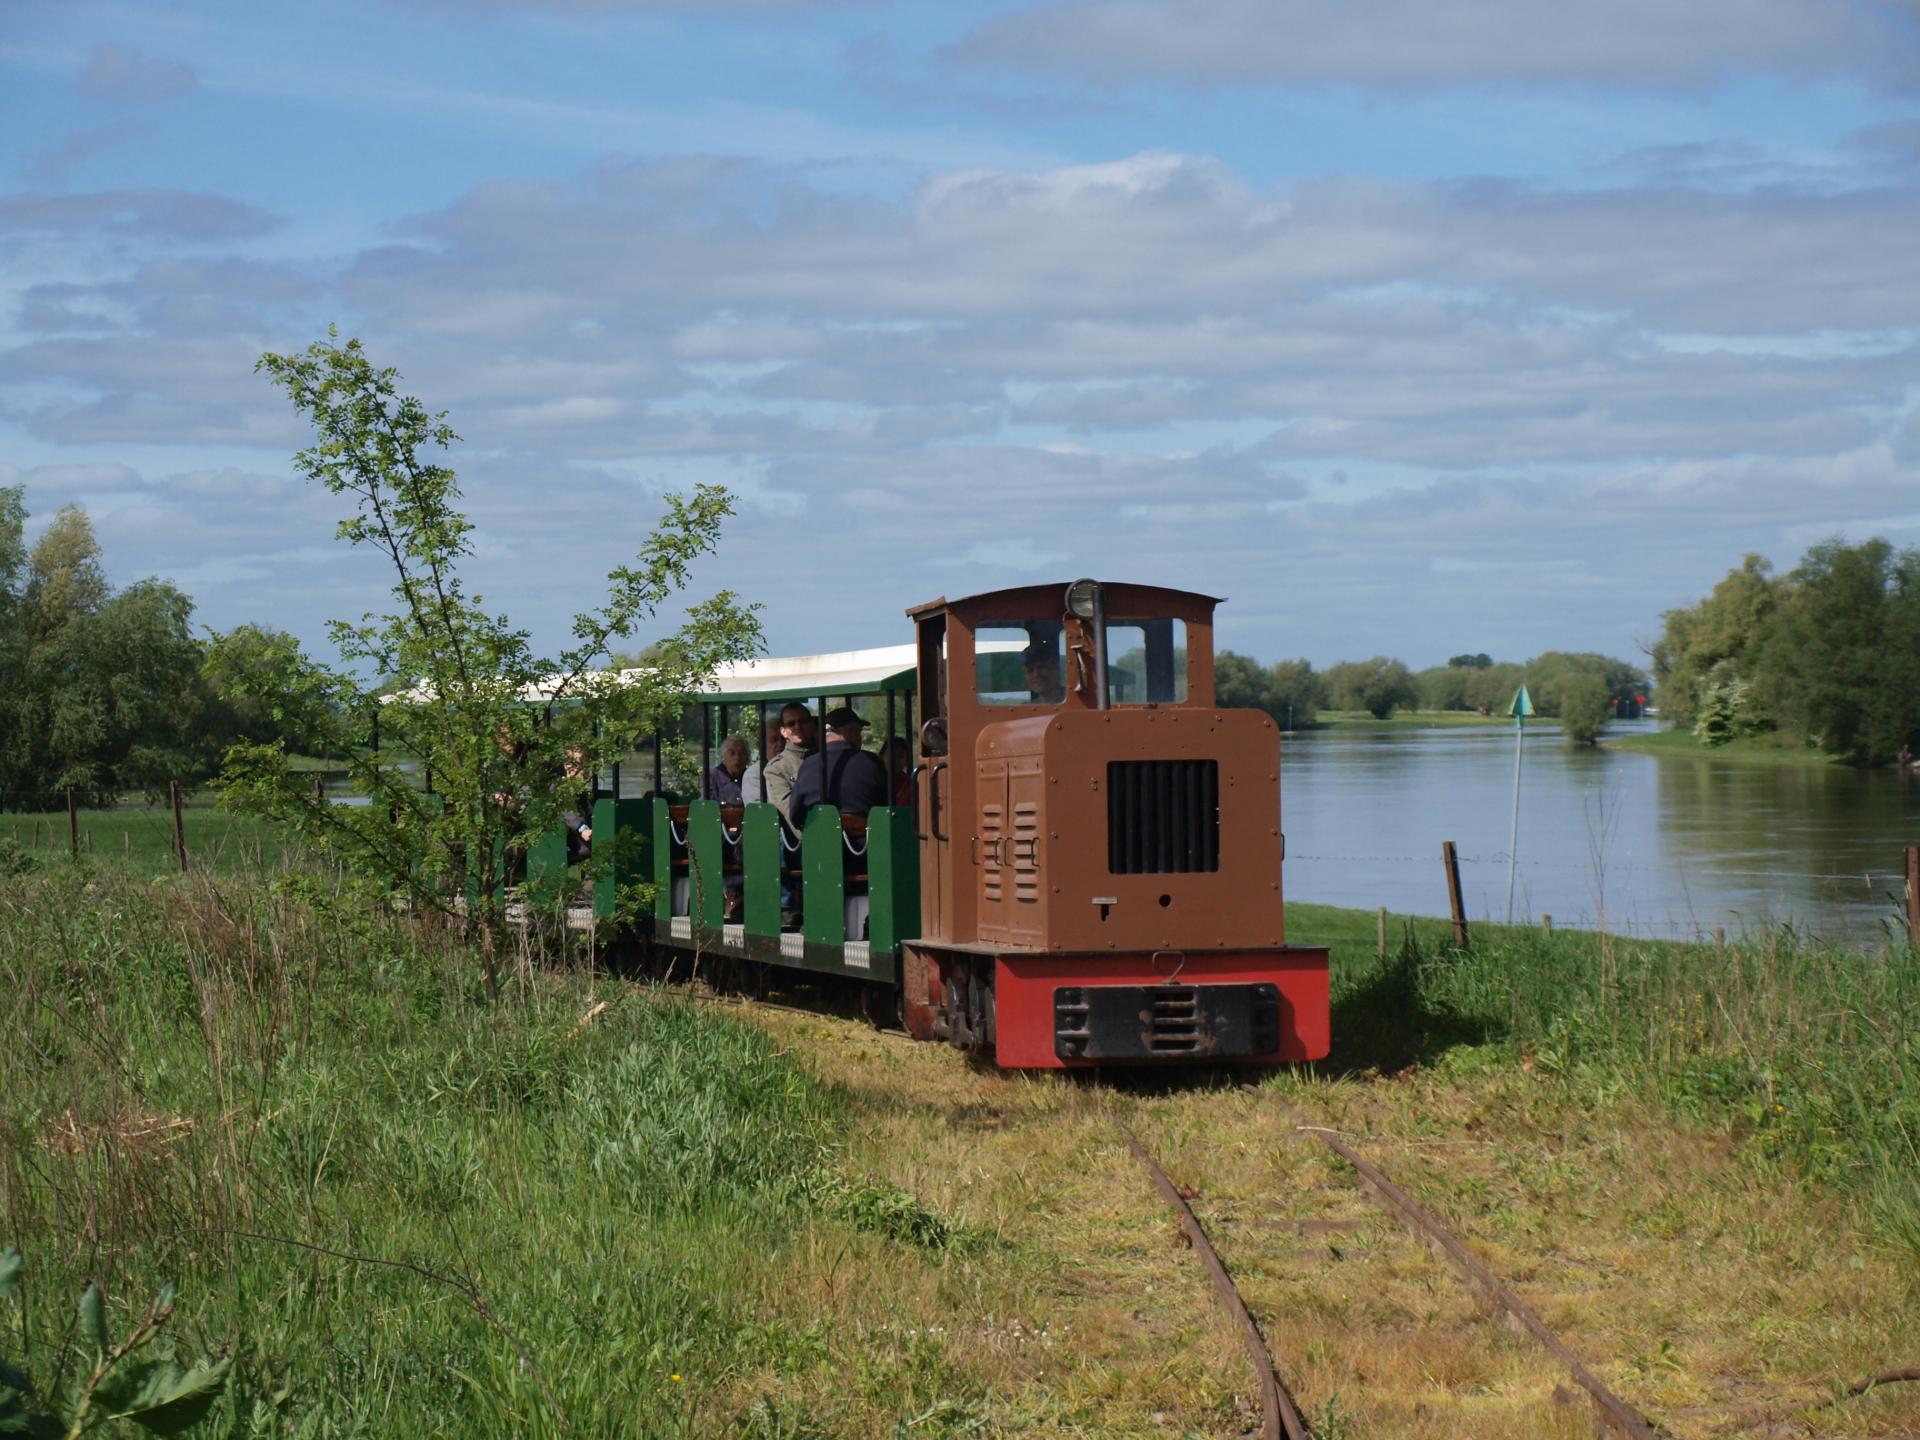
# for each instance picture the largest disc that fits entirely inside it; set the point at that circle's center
(1418, 720)
(1757, 750)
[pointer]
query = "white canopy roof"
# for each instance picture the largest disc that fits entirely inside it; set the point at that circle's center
(844, 672)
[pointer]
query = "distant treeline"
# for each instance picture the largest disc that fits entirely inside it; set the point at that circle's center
(1826, 656)
(1581, 690)
(105, 690)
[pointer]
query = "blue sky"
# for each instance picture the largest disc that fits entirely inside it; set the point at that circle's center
(1411, 329)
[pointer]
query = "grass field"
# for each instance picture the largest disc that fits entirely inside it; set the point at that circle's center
(1759, 750)
(139, 837)
(400, 1208)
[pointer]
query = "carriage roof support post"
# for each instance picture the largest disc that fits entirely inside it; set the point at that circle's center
(889, 747)
(656, 760)
(706, 748)
(760, 744)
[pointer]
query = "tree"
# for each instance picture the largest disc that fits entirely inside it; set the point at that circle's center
(1470, 662)
(103, 689)
(498, 732)
(1240, 683)
(1289, 691)
(1728, 625)
(1298, 692)
(1444, 687)
(1585, 707)
(1838, 661)
(1379, 686)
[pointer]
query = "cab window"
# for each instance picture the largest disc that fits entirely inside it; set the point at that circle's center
(1019, 662)
(1146, 662)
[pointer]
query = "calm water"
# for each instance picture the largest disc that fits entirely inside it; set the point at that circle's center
(1655, 845)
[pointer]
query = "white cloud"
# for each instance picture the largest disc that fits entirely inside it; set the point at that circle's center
(1149, 366)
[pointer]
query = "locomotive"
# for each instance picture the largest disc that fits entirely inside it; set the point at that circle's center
(1088, 873)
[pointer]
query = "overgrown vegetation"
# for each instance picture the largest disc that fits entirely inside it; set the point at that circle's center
(498, 740)
(387, 1203)
(1826, 656)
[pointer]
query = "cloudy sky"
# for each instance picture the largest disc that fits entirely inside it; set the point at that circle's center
(1409, 327)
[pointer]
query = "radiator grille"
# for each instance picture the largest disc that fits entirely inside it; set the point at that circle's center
(1163, 816)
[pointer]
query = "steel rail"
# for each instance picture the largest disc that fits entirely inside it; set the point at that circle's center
(1611, 1413)
(1282, 1420)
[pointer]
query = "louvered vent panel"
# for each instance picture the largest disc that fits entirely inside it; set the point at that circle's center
(1026, 851)
(992, 831)
(1163, 816)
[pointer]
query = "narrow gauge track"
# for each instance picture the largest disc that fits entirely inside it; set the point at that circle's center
(1282, 1419)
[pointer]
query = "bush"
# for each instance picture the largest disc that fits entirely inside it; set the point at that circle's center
(1379, 686)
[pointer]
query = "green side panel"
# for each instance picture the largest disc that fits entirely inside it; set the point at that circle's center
(760, 856)
(706, 863)
(893, 878)
(623, 844)
(822, 857)
(665, 852)
(547, 861)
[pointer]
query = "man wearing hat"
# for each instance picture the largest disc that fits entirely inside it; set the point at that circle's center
(842, 774)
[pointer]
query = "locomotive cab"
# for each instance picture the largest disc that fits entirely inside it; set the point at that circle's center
(1100, 845)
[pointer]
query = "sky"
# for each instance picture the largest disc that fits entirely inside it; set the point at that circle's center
(1410, 329)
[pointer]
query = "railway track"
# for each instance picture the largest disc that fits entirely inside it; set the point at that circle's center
(1282, 1417)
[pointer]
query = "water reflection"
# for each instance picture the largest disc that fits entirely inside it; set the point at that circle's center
(1647, 844)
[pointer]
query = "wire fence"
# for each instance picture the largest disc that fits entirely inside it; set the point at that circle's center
(182, 830)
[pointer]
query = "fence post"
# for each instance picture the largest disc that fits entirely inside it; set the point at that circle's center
(73, 823)
(1913, 895)
(1383, 932)
(179, 830)
(1546, 926)
(319, 789)
(1454, 899)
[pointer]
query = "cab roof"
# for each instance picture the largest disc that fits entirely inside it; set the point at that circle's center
(1153, 593)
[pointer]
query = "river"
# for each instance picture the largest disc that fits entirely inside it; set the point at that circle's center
(1644, 844)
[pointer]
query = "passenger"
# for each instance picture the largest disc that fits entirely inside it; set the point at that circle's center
(902, 755)
(723, 781)
(576, 818)
(751, 790)
(1043, 675)
(842, 775)
(796, 728)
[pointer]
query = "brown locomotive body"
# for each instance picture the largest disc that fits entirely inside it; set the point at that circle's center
(1099, 865)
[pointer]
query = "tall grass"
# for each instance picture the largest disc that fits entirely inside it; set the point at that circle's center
(1808, 1054)
(400, 1208)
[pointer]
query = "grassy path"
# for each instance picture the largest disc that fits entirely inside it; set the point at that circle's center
(1721, 1298)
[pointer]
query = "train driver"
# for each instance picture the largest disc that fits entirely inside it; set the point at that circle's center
(1043, 675)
